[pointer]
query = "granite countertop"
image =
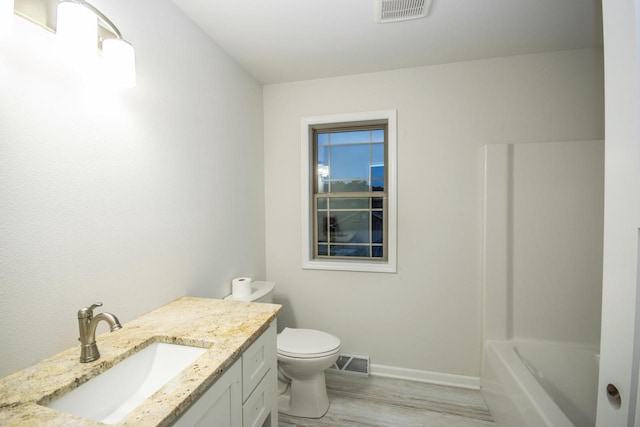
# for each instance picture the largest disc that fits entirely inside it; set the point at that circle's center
(226, 328)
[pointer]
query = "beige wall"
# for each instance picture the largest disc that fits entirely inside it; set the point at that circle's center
(132, 198)
(427, 317)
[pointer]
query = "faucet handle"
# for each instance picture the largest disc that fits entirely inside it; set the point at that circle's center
(87, 312)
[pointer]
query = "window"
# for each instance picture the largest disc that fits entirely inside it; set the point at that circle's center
(349, 206)
(349, 198)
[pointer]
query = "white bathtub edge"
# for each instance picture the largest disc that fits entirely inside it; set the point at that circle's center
(533, 404)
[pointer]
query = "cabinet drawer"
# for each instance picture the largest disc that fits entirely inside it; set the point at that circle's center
(263, 399)
(258, 359)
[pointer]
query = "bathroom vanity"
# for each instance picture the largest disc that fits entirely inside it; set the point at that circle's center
(233, 383)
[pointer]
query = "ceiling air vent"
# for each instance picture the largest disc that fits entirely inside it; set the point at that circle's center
(401, 10)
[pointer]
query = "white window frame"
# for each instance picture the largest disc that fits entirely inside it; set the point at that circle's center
(306, 129)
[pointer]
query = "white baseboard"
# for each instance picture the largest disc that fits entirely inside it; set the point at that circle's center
(452, 380)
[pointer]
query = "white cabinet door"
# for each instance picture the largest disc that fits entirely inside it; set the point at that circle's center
(221, 405)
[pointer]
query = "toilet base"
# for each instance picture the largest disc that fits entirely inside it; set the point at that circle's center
(302, 389)
(306, 398)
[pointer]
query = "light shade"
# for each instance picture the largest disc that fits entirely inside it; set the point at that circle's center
(120, 62)
(6, 17)
(77, 30)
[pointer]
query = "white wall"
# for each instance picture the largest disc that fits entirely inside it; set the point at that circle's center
(426, 317)
(133, 198)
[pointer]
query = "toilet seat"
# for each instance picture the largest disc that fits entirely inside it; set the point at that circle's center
(306, 343)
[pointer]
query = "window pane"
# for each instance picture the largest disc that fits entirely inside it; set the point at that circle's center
(350, 161)
(350, 186)
(349, 251)
(322, 226)
(350, 137)
(323, 185)
(377, 252)
(322, 169)
(323, 250)
(323, 156)
(323, 139)
(349, 203)
(350, 227)
(376, 227)
(377, 154)
(377, 185)
(377, 203)
(377, 136)
(322, 203)
(377, 171)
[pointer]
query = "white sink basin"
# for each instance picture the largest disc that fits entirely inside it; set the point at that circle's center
(110, 396)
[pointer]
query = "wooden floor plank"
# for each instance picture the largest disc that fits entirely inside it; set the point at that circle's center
(376, 401)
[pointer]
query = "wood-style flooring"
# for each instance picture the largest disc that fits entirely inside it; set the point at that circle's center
(377, 401)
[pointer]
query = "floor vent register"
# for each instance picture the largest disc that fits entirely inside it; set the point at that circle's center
(349, 363)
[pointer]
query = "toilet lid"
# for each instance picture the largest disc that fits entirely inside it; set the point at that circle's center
(306, 343)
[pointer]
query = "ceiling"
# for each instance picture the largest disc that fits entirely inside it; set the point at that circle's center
(289, 40)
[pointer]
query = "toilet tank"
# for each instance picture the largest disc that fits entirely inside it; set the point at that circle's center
(260, 292)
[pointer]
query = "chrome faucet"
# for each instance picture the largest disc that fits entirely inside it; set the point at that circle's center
(87, 323)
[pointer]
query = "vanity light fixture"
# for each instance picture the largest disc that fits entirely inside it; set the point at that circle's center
(120, 61)
(83, 32)
(6, 17)
(77, 28)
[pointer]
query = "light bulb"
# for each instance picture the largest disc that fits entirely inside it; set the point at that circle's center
(77, 30)
(6, 17)
(120, 62)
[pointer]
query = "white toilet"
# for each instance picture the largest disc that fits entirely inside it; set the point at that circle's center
(303, 356)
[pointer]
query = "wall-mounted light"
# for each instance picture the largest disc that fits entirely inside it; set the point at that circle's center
(77, 30)
(83, 32)
(120, 61)
(6, 17)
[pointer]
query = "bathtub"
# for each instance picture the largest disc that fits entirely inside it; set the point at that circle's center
(537, 383)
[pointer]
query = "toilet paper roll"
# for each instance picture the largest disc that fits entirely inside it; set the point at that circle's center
(241, 286)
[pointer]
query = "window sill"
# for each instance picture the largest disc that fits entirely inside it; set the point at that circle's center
(363, 266)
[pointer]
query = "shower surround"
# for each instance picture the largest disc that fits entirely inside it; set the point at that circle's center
(543, 223)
